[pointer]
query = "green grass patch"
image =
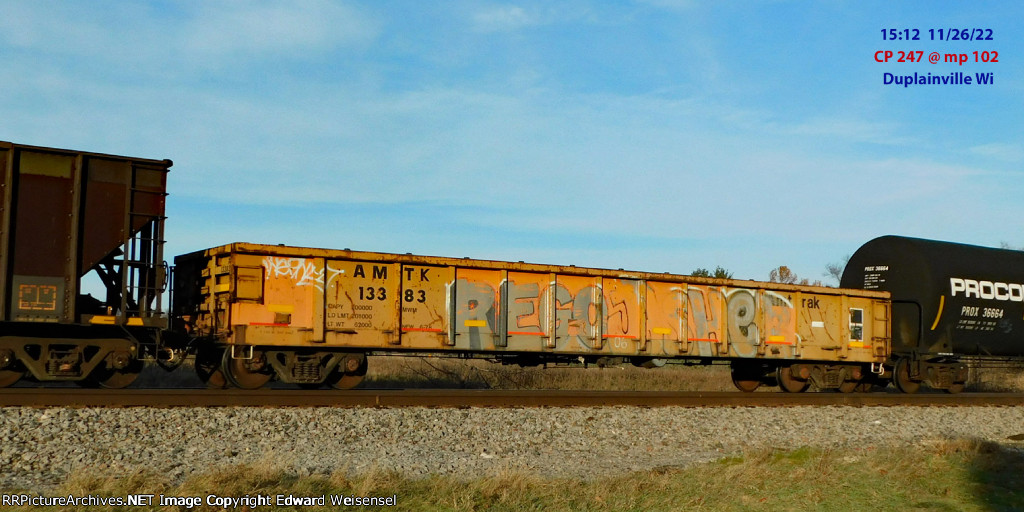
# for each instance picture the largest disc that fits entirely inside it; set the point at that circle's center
(943, 475)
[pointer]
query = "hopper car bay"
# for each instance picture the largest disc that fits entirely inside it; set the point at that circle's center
(909, 311)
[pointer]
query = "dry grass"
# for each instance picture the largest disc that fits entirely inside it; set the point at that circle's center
(957, 474)
(437, 372)
(432, 372)
(450, 373)
(1009, 379)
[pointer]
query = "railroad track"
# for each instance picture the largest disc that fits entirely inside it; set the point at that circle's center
(72, 397)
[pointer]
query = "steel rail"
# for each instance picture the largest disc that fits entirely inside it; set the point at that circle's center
(73, 397)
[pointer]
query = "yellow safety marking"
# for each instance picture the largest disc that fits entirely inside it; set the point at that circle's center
(857, 344)
(134, 321)
(778, 339)
(476, 323)
(661, 330)
(942, 302)
(221, 288)
(103, 320)
(281, 308)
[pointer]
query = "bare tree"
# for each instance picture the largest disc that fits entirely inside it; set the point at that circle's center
(835, 270)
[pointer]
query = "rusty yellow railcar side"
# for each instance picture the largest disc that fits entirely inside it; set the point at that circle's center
(249, 295)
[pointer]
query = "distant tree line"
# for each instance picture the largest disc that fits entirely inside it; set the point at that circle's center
(719, 273)
(782, 274)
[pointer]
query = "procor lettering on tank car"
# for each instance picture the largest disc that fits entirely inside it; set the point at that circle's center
(64, 214)
(310, 316)
(950, 302)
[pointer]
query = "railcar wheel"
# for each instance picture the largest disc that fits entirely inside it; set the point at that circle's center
(349, 373)
(746, 378)
(345, 381)
(956, 387)
(789, 383)
(208, 368)
(117, 378)
(12, 369)
(248, 373)
(9, 377)
(849, 386)
(901, 377)
(746, 386)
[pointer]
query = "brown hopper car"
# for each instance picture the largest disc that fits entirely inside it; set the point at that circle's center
(63, 214)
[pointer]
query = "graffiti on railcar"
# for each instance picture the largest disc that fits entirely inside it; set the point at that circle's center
(476, 311)
(524, 308)
(617, 314)
(744, 333)
(779, 324)
(666, 317)
(755, 319)
(621, 296)
(577, 311)
(305, 272)
(704, 323)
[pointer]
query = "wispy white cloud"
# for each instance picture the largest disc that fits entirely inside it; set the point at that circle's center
(1002, 151)
(852, 129)
(670, 4)
(837, 126)
(57, 28)
(503, 18)
(272, 27)
(192, 35)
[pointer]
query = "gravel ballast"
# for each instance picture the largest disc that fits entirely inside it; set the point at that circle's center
(40, 447)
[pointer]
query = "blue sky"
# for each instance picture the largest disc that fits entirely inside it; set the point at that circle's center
(652, 135)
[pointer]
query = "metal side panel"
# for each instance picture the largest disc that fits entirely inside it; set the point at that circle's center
(43, 229)
(478, 309)
(108, 184)
(361, 303)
